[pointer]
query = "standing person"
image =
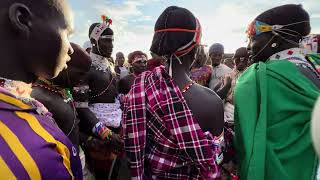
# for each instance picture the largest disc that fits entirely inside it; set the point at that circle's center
(56, 95)
(138, 63)
(226, 92)
(119, 68)
(201, 72)
(216, 53)
(274, 99)
(99, 101)
(162, 120)
(32, 146)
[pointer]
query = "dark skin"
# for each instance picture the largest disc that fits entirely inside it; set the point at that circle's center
(98, 80)
(260, 49)
(201, 58)
(120, 59)
(23, 29)
(64, 113)
(241, 58)
(216, 58)
(210, 115)
(137, 68)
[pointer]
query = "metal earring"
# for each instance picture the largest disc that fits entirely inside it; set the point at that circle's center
(273, 45)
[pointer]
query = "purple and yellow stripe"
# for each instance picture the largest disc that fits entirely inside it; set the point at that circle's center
(30, 146)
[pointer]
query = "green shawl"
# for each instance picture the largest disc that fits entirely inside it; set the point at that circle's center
(273, 105)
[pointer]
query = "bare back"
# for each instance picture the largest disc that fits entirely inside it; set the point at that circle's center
(207, 108)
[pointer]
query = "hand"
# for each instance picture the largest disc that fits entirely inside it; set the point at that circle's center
(117, 142)
(227, 80)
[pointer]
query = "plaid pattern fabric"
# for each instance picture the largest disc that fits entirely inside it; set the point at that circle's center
(162, 139)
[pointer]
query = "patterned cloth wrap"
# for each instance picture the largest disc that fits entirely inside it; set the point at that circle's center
(109, 113)
(202, 75)
(162, 138)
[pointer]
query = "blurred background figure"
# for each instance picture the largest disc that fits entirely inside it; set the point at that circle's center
(216, 54)
(138, 63)
(120, 69)
(229, 62)
(201, 72)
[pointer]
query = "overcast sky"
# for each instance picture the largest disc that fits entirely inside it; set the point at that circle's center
(133, 20)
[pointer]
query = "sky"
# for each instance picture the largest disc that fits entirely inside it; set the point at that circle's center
(133, 20)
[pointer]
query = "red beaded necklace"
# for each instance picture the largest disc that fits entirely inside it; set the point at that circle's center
(50, 87)
(188, 86)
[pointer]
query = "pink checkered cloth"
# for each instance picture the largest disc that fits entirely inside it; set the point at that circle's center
(162, 138)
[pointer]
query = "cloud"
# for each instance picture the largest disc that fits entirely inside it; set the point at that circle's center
(223, 22)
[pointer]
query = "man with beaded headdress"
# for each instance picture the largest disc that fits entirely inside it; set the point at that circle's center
(99, 98)
(274, 99)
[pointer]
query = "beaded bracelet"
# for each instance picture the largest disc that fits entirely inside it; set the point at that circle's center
(101, 130)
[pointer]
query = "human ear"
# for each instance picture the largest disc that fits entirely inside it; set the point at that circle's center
(20, 18)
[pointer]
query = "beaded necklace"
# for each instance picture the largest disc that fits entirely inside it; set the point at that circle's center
(188, 86)
(65, 93)
(21, 91)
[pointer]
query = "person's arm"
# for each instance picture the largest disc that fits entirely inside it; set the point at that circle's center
(224, 90)
(89, 123)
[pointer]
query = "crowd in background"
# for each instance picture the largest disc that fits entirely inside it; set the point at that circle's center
(186, 112)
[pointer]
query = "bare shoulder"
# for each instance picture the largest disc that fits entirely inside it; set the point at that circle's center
(207, 107)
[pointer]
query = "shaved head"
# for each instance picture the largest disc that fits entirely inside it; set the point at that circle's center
(35, 34)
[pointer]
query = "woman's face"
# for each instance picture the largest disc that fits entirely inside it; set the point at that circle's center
(259, 47)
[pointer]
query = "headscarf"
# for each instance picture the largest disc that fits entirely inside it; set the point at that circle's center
(177, 32)
(290, 22)
(216, 48)
(132, 57)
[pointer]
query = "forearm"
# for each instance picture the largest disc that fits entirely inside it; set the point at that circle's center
(87, 119)
(223, 92)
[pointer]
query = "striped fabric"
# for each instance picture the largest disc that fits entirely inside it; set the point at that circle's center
(162, 139)
(32, 147)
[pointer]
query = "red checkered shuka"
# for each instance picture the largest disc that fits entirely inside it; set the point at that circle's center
(162, 138)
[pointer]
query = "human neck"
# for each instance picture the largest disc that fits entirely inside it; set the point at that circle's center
(180, 74)
(95, 51)
(17, 71)
(216, 65)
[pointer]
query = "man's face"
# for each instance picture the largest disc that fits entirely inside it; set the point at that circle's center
(241, 62)
(106, 47)
(216, 58)
(48, 49)
(77, 70)
(120, 59)
(201, 58)
(140, 64)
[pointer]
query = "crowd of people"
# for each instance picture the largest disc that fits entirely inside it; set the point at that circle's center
(71, 112)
